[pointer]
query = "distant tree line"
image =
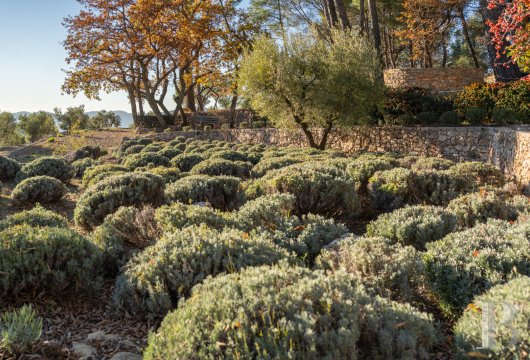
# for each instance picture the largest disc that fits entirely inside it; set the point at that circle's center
(191, 52)
(75, 118)
(29, 128)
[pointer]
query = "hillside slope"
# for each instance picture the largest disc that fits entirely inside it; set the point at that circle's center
(61, 145)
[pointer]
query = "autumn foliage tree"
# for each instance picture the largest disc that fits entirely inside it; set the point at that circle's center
(144, 47)
(426, 22)
(511, 31)
(429, 26)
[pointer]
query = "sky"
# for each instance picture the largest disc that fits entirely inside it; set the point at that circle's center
(32, 58)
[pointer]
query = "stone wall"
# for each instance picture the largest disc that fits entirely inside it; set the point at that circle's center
(435, 79)
(508, 148)
(147, 123)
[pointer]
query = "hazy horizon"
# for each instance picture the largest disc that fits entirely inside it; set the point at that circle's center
(30, 68)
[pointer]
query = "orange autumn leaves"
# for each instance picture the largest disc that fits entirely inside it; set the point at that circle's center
(142, 44)
(427, 23)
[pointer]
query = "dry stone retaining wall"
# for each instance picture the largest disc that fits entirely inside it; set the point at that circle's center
(508, 148)
(434, 79)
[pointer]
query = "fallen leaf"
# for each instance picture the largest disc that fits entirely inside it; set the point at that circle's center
(473, 307)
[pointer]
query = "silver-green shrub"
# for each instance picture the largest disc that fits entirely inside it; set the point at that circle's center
(284, 312)
(143, 141)
(231, 155)
(432, 163)
(123, 233)
(467, 263)
(509, 308)
(145, 159)
(267, 216)
(439, 187)
(205, 146)
(38, 189)
(89, 151)
(218, 167)
(176, 142)
(80, 166)
(177, 216)
(192, 148)
(480, 206)
(222, 192)
(169, 153)
(479, 173)
(53, 166)
(257, 147)
(335, 154)
(20, 330)
(338, 162)
(181, 146)
(152, 148)
(362, 169)
(253, 188)
(318, 188)
(191, 140)
(383, 267)
(94, 174)
(521, 204)
(222, 144)
(303, 151)
(413, 225)
(51, 260)
(267, 212)
(254, 157)
(277, 313)
(134, 149)
(305, 236)
(391, 189)
(185, 162)
(407, 161)
(155, 280)
(169, 175)
(388, 156)
(272, 163)
(271, 152)
(104, 198)
(9, 168)
(132, 142)
(36, 217)
(242, 147)
(394, 330)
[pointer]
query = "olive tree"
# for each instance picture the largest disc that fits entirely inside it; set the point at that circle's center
(311, 82)
(104, 119)
(9, 134)
(37, 125)
(74, 118)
